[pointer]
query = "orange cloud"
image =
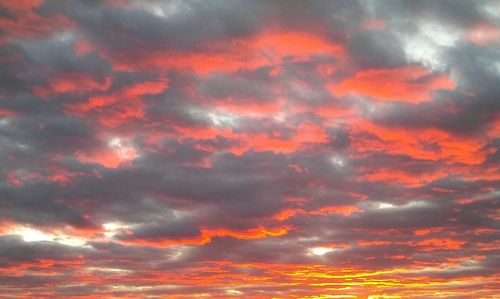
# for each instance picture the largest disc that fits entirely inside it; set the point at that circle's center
(399, 177)
(304, 135)
(206, 236)
(111, 157)
(28, 24)
(267, 48)
(413, 142)
(114, 109)
(323, 211)
(71, 83)
(406, 84)
(438, 244)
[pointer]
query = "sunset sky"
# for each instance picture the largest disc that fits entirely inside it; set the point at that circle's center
(249, 149)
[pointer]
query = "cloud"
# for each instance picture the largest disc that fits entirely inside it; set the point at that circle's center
(249, 149)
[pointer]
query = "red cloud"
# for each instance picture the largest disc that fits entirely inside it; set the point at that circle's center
(114, 109)
(407, 84)
(484, 34)
(267, 48)
(207, 234)
(253, 124)
(71, 83)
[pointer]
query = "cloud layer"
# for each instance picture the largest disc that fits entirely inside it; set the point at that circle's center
(249, 149)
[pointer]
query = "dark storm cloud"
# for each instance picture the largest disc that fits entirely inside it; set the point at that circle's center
(142, 26)
(225, 87)
(377, 49)
(37, 203)
(13, 62)
(48, 132)
(58, 55)
(461, 13)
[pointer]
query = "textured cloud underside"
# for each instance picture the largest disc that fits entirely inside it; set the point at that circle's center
(249, 149)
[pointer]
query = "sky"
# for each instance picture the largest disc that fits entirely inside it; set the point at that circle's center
(249, 149)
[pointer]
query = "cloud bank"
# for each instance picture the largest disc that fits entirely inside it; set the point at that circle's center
(249, 149)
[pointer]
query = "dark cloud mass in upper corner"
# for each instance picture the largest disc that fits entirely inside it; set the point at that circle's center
(249, 149)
